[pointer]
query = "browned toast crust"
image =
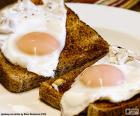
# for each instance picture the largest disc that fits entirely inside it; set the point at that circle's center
(17, 79)
(105, 108)
(83, 45)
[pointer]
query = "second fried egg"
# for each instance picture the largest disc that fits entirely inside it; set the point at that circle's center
(116, 78)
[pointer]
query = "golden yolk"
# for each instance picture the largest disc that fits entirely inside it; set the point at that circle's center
(37, 43)
(101, 76)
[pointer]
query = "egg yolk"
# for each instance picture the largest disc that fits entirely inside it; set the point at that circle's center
(102, 76)
(37, 43)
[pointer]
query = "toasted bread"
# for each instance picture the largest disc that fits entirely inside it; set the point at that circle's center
(52, 97)
(106, 108)
(83, 45)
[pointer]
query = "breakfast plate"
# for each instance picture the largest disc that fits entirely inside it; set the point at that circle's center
(117, 26)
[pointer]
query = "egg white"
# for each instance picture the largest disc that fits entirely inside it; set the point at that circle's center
(79, 96)
(27, 17)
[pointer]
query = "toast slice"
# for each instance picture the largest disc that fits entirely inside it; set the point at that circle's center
(52, 96)
(105, 108)
(83, 45)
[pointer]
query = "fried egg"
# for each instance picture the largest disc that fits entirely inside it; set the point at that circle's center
(34, 35)
(116, 77)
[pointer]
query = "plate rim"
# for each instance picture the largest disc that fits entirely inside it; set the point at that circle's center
(124, 16)
(94, 6)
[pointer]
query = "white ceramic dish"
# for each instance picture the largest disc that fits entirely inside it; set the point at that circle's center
(117, 26)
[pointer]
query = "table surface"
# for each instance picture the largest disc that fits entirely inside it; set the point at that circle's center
(4, 2)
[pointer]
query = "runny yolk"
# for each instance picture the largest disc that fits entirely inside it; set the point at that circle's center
(102, 76)
(37, 43)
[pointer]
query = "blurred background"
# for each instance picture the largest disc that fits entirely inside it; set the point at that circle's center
(128, 4)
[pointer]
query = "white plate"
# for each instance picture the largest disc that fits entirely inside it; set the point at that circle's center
(116, 25)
